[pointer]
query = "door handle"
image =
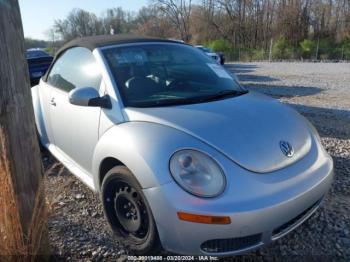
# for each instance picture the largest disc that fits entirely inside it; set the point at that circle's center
(52, 102)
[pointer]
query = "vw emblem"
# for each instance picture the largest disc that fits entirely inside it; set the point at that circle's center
(286, 148)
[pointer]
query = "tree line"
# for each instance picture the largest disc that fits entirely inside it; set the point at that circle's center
(281, 28)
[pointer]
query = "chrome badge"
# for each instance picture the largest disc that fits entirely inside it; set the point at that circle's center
(286, 148)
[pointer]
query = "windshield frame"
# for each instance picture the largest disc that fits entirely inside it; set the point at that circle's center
(120, 95)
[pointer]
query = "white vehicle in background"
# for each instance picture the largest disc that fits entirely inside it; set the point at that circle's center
(211, 53)
(177, 40)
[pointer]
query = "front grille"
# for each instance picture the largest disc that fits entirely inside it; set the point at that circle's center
(230, 244)
(293, 221)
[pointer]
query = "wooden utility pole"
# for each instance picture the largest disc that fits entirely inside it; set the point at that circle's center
(22, 199)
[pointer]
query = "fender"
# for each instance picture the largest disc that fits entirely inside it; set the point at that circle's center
(145, 148)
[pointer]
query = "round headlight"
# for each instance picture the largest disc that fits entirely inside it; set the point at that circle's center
(197, 173)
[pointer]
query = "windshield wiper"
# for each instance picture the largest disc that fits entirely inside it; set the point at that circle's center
(225, 93)
(168, 102)
(191, 100)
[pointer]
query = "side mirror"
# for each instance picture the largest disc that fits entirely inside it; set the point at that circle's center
(88, 96)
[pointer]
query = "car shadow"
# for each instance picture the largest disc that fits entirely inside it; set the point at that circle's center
(279, 91)
(330, 122)
(261, 83)
(241, 68)
(242, 72)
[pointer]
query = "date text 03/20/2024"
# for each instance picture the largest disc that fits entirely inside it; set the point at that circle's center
(172, 258)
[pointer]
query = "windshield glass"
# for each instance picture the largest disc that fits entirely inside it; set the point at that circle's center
(149, 75)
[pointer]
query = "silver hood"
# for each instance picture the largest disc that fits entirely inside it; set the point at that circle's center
(247, 129)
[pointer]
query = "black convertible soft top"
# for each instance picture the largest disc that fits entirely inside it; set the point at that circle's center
(92, 42)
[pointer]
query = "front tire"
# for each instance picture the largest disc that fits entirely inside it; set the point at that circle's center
(128, 212)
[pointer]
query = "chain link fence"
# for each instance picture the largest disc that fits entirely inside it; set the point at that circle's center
(247, 55)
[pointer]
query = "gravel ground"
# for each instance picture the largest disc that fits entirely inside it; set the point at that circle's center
(321, 92)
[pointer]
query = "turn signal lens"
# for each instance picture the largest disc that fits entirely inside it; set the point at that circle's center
(203, 219)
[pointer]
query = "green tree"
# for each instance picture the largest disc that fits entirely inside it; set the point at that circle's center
(220, 45)
(308, 48)
(282, 49)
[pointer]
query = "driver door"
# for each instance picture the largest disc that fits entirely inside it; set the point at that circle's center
(74, 128)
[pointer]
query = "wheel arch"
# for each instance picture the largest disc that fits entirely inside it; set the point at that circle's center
(145, 148)
(128, 145)
(107, 164)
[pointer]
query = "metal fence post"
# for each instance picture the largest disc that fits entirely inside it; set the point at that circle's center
(318, 43)
(270, 53)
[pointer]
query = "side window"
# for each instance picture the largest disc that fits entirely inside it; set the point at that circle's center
(76, 68)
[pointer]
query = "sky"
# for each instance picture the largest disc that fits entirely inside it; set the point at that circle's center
(39, 15)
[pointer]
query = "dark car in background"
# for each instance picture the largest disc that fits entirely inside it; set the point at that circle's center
(38, 62)
(219, 57)
(222, 58)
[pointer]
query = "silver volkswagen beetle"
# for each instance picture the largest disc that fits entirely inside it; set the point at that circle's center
(183, 157)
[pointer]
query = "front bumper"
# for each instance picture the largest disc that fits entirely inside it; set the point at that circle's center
(262, 207)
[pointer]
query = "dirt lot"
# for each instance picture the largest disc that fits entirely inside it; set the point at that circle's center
(321, 92)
